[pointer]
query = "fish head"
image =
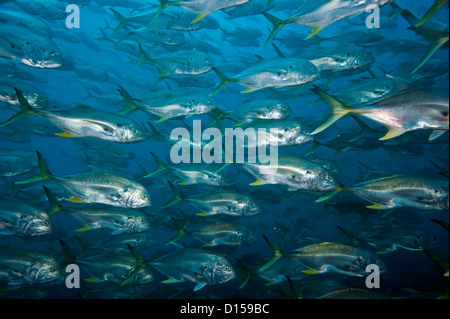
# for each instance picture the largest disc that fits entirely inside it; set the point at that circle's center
(318, 180)
(244, 236)
(296, 135)
(143, 277)
(45, 270)
(423, 241)
(303, 72)
(363, 259)
(136, 196)
(45, 55)
(359, 59)
(248, 207)
(441, 198)
(34, 225)
(129, 132)
(137, 223)
(199, 64)
(218, 270)
(276, 110)
(200, 105)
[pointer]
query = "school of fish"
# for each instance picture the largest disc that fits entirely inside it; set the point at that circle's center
(359, 115)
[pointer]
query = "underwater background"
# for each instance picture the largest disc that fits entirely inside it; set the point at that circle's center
(99, 60)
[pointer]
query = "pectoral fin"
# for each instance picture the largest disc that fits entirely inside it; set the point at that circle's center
(393, 133)
(259, 182)
(74, 200)
(65, 134)
(311, 272)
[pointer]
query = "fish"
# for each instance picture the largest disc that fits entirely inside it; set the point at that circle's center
(34, 97)
(178, 20)
(23, 19)
(18, 44)
(119, 220)
(276, 73)
(312, 13)
(218, 234)
(202, 7)
(19, 267)
(179, 63)
(389, 240)
(407, 110)
(85, 121)
(218, 202)
(14, 163)
(172, 107)
(21, 219)
(192, 174)
(113, 267)
(100, 188)
(194, 265)
(48, 9)
(259, 110)
(295, 173)
(278, 132)
(402, 191)
(328, 256)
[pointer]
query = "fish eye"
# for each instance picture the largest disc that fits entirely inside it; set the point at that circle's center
(144, 196)
(328, 178)
(138, 131)
(119, 125)
(308, 172)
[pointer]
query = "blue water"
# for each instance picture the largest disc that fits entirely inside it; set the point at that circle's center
(410, 274)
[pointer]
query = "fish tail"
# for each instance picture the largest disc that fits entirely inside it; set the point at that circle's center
(181, 232)
(340, 188)
(142, 56)
(277, 253)
(161, 166)
(25, 109)
(44, 172)
(130, 107)
(436, 43)
(140, 264)
(178, 197)
(69, 256)
(298, 293)
(354, 239)
(163, 4)
(54, 205)
(277, 23)
(339, 110)
(123, 21)
(248, 273)
(155, 132)
(437, 6)
(224, 81)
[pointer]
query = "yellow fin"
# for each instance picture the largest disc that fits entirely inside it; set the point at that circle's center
(377, 206)
(84, 229)
(249, 90)
(204, 214)
(259, 182)
(314, 32)
(199, 17)
(393, 133)
(310, 272)
(74, 200)
(163, 119)
(65, 134)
